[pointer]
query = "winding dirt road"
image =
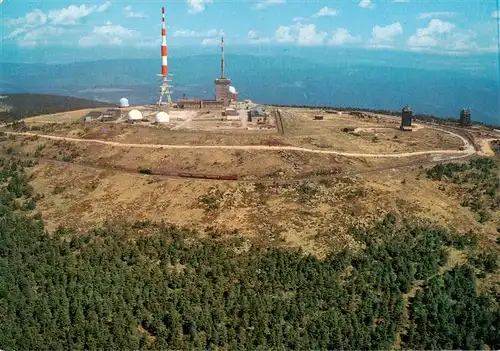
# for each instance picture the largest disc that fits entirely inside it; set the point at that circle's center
(486, 149)
(468, 148)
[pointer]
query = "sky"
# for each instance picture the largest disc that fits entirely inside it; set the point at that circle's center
(446, 27)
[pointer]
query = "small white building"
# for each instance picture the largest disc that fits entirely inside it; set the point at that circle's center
(134, 116)
(124, 102)
(231, 114)
(162, 117)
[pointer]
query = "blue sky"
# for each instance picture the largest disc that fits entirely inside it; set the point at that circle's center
(459, 27)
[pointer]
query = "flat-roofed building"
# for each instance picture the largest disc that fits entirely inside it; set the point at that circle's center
(92, 116)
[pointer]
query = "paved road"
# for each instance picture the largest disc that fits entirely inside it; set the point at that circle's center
(468, 148)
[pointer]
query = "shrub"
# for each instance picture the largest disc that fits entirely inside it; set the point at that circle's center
(58, 190)
(307, 188)
(211, 201)
(145, 171)
(29, 205)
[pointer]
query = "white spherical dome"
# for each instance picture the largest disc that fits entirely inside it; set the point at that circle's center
(162, 117)
(124, 102)
(232, 90)
(134, 115)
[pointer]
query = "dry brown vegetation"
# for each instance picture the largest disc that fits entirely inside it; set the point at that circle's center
(377, 135)
(311, 215)
(98, 183)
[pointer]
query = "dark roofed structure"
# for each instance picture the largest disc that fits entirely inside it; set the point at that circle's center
(465, 117)
(111, 114)
(406, 117)
(256, 111)
(93, 115)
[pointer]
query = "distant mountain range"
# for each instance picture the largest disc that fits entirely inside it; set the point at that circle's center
(270, 80)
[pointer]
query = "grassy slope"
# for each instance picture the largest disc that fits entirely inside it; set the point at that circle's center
(27, 105)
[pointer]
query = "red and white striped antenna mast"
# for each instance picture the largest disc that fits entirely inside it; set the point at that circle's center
(165, 87)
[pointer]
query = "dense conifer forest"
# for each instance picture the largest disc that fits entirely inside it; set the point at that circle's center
(477, 183)
(151, 285)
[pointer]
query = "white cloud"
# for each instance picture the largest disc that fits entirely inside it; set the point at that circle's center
(427, 15)
(495, 14)
(210, 41)
(326, 11)
(16, 32)
(104, 6)
(30, 21)
(444, 37)
(131, 14)
(283, 34)
(33, 18)
(252, 34)
(416, 41)
(343, 36)
(70, 15)
(214, 33)
(385, 35)
(400, 1)
(186, 33)
(115, 30)
(323, 12)
(366, 4)
(42, 35)
(307, 35)
(436, 26)
(302, 34)
(253, 38)
(267, 3)
(110, 35)
(197, 6)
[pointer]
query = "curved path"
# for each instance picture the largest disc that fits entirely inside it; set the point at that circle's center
(468, 148)
(486, 148)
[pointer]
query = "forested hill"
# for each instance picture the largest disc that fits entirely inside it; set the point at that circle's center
(17, 106)
(154, 286)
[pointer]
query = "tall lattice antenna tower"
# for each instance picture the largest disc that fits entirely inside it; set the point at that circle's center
(222, 57)
(165, 87)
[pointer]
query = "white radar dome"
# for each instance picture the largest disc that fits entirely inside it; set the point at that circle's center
(162, 117)
(232, 90)
(124, 102)
(134, 115)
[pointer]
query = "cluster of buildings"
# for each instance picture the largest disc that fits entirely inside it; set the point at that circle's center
(132, 116)
(111, 114)
(225, 96)
(225, 93)
(407, 116)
